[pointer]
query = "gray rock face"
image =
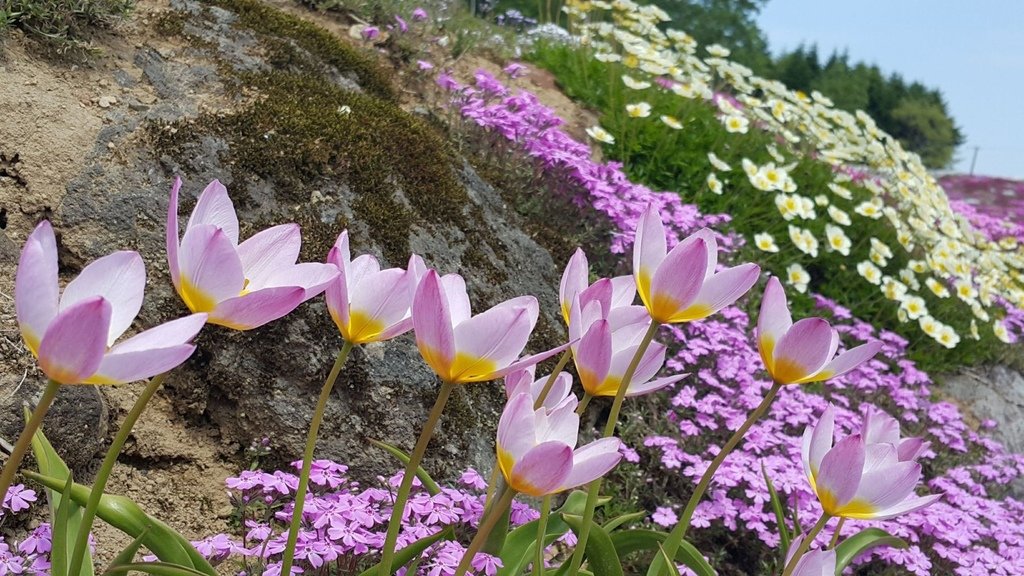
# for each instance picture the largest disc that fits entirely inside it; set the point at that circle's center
(265, 382)
(997, 393)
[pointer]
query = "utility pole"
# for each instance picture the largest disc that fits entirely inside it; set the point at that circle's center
(974, 158)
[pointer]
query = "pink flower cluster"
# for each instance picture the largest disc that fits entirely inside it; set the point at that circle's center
(344, 523)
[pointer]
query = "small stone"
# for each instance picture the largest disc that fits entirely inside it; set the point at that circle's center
(106, 101)
(110, 146)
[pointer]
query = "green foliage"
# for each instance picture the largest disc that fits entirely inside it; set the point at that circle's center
(924, 127)
(854, 546)
(63, 25)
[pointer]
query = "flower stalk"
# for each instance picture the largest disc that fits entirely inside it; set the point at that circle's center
(805, 545)
(25, 440)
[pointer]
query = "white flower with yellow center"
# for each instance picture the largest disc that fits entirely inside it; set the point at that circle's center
(948, 337)
(965, 291)
(718, 163)
(714, 184)
(749, 168)
(906, 239)
(634, 84)
(765, 242)
(838, 216)
(869, 209)
(877, 257)
(999, 329)
(735, 124)
(821, 200)
(837, 239)
(974, 330)
(915, 306)
(718, 51)
(638, 110)
(919, 266)
(840, 191)
(797, 277)
(979, 311)
(672, 122)
(788, 206)
(937, 288)
(600, 134)
(870, 272)
(930, 326)
(893, 288)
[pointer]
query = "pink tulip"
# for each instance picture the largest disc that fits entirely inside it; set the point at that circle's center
(796, 353)
(240, 286)
(617, 292)
(605, 352)
(681, 285)
(73, 334)
(463, 348)
(537, 451)
(369, 304)
(814, 562)
(523, 382)
(857, 479)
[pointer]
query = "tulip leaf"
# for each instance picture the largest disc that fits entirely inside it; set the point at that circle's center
(127, 555)
(412, 551)
(601, 554)
(522, 542)
(862, 541)
(432, 488)
(125, 515)
(51, 464)
(628, 541)
(59, 536)
(780, 514)
(154, 568)
(670, 566)
(623, 519)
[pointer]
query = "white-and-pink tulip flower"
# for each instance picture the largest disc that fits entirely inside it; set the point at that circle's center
(523, 382)
(241, 286)
(857, 479)
(796, 353)
(682, 285)
(73, 333)
(369, 304)
(619, 291)
(537, 451)
(463, 348)
(813, 562)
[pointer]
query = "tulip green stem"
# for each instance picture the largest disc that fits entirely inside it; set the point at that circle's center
(805, 545)
(837, 533)
(395, 524)
(100, 483)
(542, 528)
(679, 532)
(584, 403)
(485, 530)
(307, 456)
(551, 379)
(595, 486)
(25, 440)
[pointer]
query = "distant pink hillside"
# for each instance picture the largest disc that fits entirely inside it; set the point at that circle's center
(995, 205)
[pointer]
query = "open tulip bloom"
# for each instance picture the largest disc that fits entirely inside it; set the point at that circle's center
(537, 451)
(369, 304)
(523, 381)
(463, 348)
(859, 479)
(682, 285)
(73, 333)
(575, 284)
(796, 353)
(240, 286)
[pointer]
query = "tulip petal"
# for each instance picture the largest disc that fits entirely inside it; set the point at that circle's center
(840, 474)
(849, 360)
(911, 448)
(172, 238)
(458, 298)
(120, 278)
(678, 280)
(139, 365)
(803, 351)
(542, 470)
(211, 271)
(561, 388)
(649, 249)
(599, 292)
(883, 489)
(561, 424)
(623, 291)
(592, 461)
(593, 356)
(773, 321)
(337, 292)
(380, 301)
(432, 322)
(178, 331)
(719, 291)
(36, 292)
(493, 339)
(523, 363)
(267, 252)
(653, 385)
(879, 427)
(911, 504)
(257, 308)
(651, 362)
(214, 207)
(574, 280)
(72, 347)
(312, 277)
(711, 245)
(516, 434)
(817, 441)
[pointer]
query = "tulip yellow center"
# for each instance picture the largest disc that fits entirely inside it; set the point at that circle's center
(362, 328)
(691, 313)
(663, 307)
(196, 299)
(470, 368)
(31, 341)
(786, 371)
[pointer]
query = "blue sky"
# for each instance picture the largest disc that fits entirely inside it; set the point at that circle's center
(973, 51)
